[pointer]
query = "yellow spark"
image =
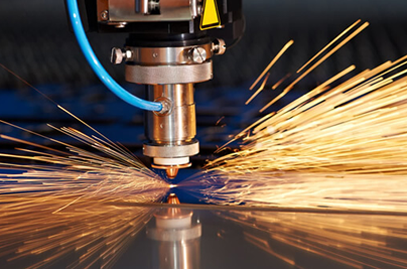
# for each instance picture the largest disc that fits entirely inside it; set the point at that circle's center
(275, 86)
(329, 45)
(319, 62)
(340, 146)
(70, 202)
(67, 203)
(259, 90)
(354, 240)
(275, 59)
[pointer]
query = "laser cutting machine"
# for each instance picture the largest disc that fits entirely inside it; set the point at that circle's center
(169, 48)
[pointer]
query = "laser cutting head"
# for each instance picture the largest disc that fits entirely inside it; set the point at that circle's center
(169, 49)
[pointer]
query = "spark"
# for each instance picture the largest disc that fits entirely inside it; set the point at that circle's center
(357, 241)
(275, 86)
(271, 64)
(261, 88)
(315, 65)
(329, 45)
(67, 202)
(339, 146)
(71, 204)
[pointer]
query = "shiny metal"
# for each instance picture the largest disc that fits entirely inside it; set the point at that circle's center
(179, 126)
(169, 74)
(198, 55)
(104, 15)
(171, 170)
(176, 238)
(169, 10)
(120, 24)
(168, 55)
(219, 47)
(142, 6)
(171, 151)
(195, 7)
(171, 136)
(117, 55)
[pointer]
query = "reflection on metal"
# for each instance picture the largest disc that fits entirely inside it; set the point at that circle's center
(65, 203)
(176, 238)
(357, 241)
(297, 191)
(37, 231)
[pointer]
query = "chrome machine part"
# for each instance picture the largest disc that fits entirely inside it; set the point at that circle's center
(171, 135)
(169, 73)
(168, 55)
(117, 55)
(170, 46)
(169, 65)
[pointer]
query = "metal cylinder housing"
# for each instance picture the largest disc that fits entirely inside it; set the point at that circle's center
(172, 135)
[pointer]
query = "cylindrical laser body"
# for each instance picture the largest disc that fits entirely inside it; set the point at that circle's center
(179, 124)
(171, 135)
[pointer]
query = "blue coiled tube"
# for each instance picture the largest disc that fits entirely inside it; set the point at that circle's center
(97, 66)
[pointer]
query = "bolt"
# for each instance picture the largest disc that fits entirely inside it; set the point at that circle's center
(198, 55)
(104, 15)
(219, 47)
(200, 10)
(118, 55)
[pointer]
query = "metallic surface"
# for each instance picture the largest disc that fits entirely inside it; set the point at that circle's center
(219, 47)
(171, 151)
(178, 74)
(166, 55)
(198, 55)
(142, 6)
(124, 11)
(170, 72)
(171, 136)
(117, 55)
(176, 238)
(179, 126)
(172, 172)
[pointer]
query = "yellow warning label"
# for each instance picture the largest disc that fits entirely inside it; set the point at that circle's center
(210, 17)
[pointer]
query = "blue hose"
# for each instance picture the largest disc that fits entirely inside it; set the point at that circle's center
(98, 68)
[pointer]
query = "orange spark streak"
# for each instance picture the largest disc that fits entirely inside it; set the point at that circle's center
(329, 45)
(259, 90)
(309, 70)
(275, 86)
(284, 49)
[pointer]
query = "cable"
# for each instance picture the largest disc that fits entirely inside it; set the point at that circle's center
(97, 67)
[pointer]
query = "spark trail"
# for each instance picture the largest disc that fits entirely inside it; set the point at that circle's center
(341, 145)
(64, 204)
(353, 241)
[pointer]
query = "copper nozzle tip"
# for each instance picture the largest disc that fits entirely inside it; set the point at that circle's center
(172, 172)
(173, 199)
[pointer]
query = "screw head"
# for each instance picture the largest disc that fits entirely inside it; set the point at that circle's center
(104, 15)
(219, 47)
(116, 56)
(198, 55)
